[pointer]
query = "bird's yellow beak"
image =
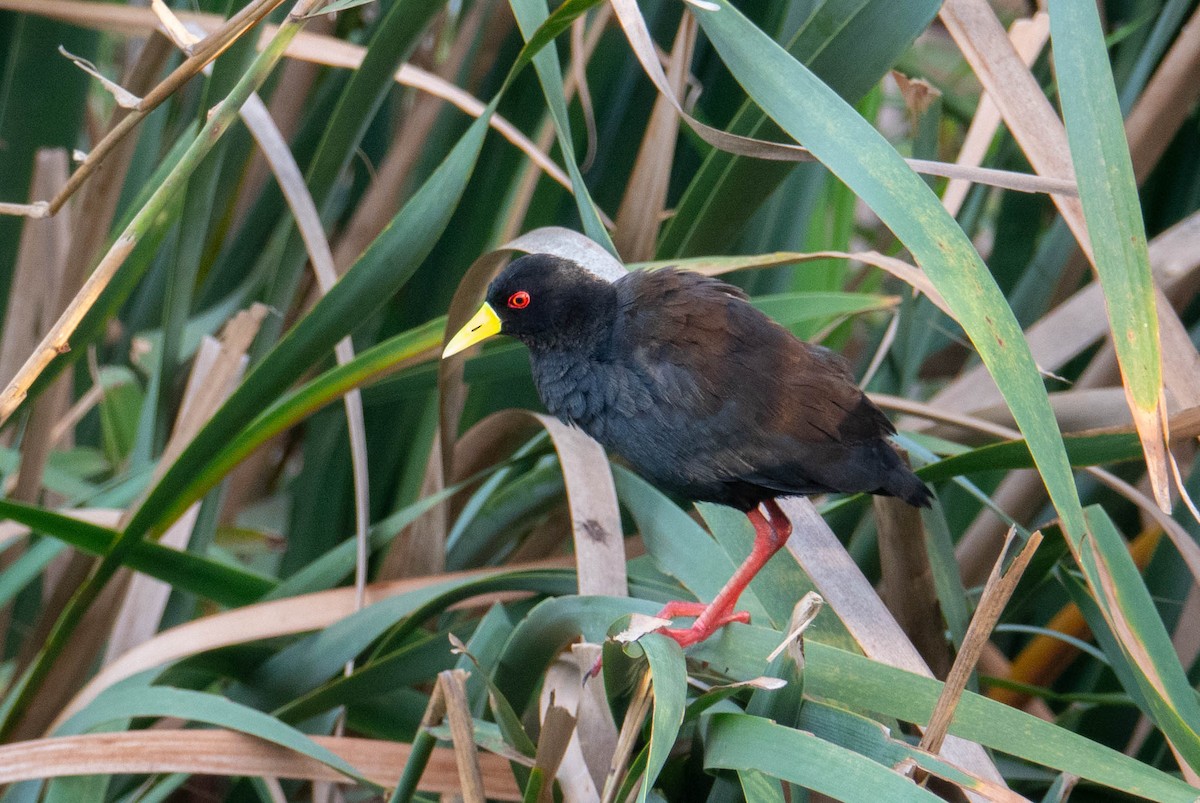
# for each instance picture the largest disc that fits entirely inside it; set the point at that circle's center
(482, 325)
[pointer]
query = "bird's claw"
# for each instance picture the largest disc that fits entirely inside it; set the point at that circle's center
(708, 621)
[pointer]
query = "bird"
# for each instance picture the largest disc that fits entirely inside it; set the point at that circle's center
(700, 393)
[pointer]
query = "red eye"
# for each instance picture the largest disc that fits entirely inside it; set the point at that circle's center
(519, 300)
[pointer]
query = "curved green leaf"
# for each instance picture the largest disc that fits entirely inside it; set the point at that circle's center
(742, 742)
(221, 582)
(669, 678)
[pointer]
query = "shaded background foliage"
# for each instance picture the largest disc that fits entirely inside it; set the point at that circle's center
(247, 632)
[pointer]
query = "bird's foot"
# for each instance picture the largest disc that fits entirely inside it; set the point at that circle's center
(709, 619)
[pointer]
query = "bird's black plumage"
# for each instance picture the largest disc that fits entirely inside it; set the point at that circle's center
(700, 392)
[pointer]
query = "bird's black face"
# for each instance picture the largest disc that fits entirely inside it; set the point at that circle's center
(542, 300)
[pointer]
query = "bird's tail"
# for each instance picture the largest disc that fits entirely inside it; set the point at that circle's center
(901, 482)
(904, 484)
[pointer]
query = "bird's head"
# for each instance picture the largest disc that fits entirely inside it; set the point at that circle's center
(543, 301)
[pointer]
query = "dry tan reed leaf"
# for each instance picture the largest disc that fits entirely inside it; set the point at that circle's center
(41, 255)
(1167, 100)
(559, 747)
(1016, 93)
(917, 93)
(221, 752)
(421, 547)
(52, 405)
(804, 613)
(906, 586)
(212, 380)
(1185, 425)
(173, 27)
(902, 270)
(122, 96)
(592, 743)
(591, 495)
(36, 210)
(641, 209)
(594, 725)
(1028, 37)
(839, 580)
(1076, 410)
(145, 599)
(996, 594)
(558, 729)
(1151, 425)
(595, 516)
(262, 620)
(579, 59)
(40, 290)
(216, 371)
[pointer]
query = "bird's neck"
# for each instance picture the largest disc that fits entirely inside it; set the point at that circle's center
(570, 369)
(580, 333)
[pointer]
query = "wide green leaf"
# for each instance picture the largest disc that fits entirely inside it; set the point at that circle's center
(741, 742)
(1109, 195)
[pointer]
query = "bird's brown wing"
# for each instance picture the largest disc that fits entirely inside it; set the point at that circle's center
(700, 338)
(750, 402)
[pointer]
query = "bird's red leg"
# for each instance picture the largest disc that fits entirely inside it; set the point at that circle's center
(771, 532)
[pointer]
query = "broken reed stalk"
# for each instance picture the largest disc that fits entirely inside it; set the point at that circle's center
(462, 733)
(996, 594)
(26, 687)
(422, 747)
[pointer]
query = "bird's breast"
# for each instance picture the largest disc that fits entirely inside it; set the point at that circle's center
(587, 392)
(629, 410)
